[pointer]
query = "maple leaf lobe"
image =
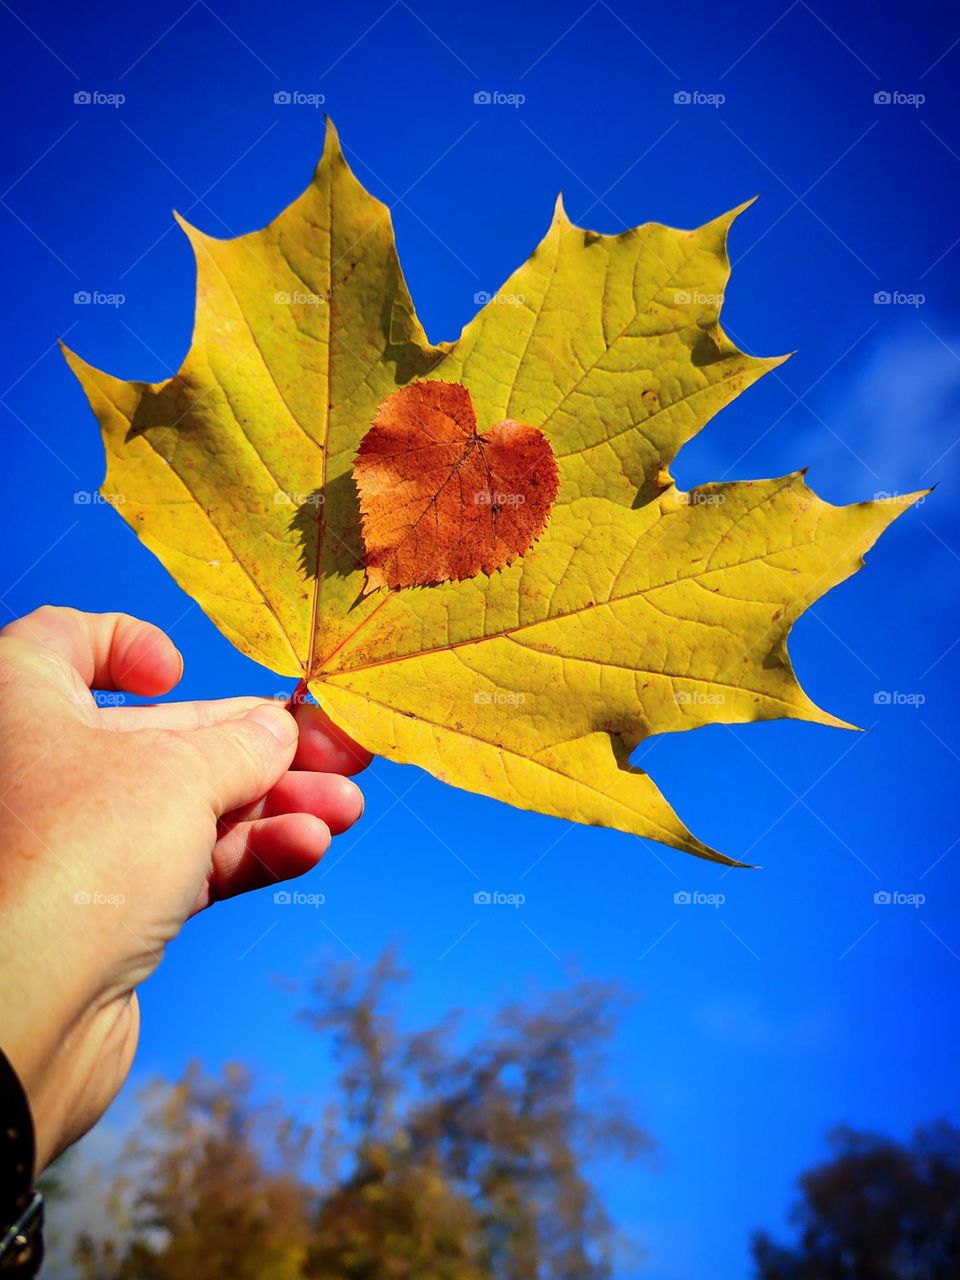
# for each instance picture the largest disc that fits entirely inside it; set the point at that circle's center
(442, 502)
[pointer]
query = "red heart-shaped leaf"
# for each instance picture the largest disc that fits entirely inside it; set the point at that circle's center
(440, 501)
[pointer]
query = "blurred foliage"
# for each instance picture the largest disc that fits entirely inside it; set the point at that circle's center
(431, 1161)
(876, 1210)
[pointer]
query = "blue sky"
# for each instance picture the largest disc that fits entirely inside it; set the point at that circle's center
(799, 1002)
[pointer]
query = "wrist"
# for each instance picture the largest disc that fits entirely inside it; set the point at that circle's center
(46, 1013)
(71, 1069)
(37, 1046)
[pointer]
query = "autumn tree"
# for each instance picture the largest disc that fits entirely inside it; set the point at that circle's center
(211, 1185)
(438, 1158)
(876, 1210)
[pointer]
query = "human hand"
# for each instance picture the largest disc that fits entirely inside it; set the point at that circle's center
(150, 813)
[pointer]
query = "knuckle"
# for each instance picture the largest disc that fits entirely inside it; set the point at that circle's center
(181, 760)
(53, 613)
(45, 615)
(176, 751)
(14, 653)
(255, 746)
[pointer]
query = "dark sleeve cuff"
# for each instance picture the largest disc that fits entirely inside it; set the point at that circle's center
(21, 1208)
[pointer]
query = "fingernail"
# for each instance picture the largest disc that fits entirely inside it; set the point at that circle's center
(358, 794)
(273, 718)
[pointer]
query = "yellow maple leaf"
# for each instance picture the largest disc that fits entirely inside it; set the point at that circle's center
(640, 610)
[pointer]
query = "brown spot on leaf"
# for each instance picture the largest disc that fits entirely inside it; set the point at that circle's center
(441, 502)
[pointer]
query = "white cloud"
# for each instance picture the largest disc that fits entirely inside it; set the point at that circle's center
(898, 413)
(743, 1024)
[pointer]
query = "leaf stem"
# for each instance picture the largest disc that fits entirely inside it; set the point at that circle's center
(299, 696)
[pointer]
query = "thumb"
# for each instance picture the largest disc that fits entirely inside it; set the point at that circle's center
(246, 756)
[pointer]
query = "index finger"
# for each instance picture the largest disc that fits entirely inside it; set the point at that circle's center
(324, 747)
